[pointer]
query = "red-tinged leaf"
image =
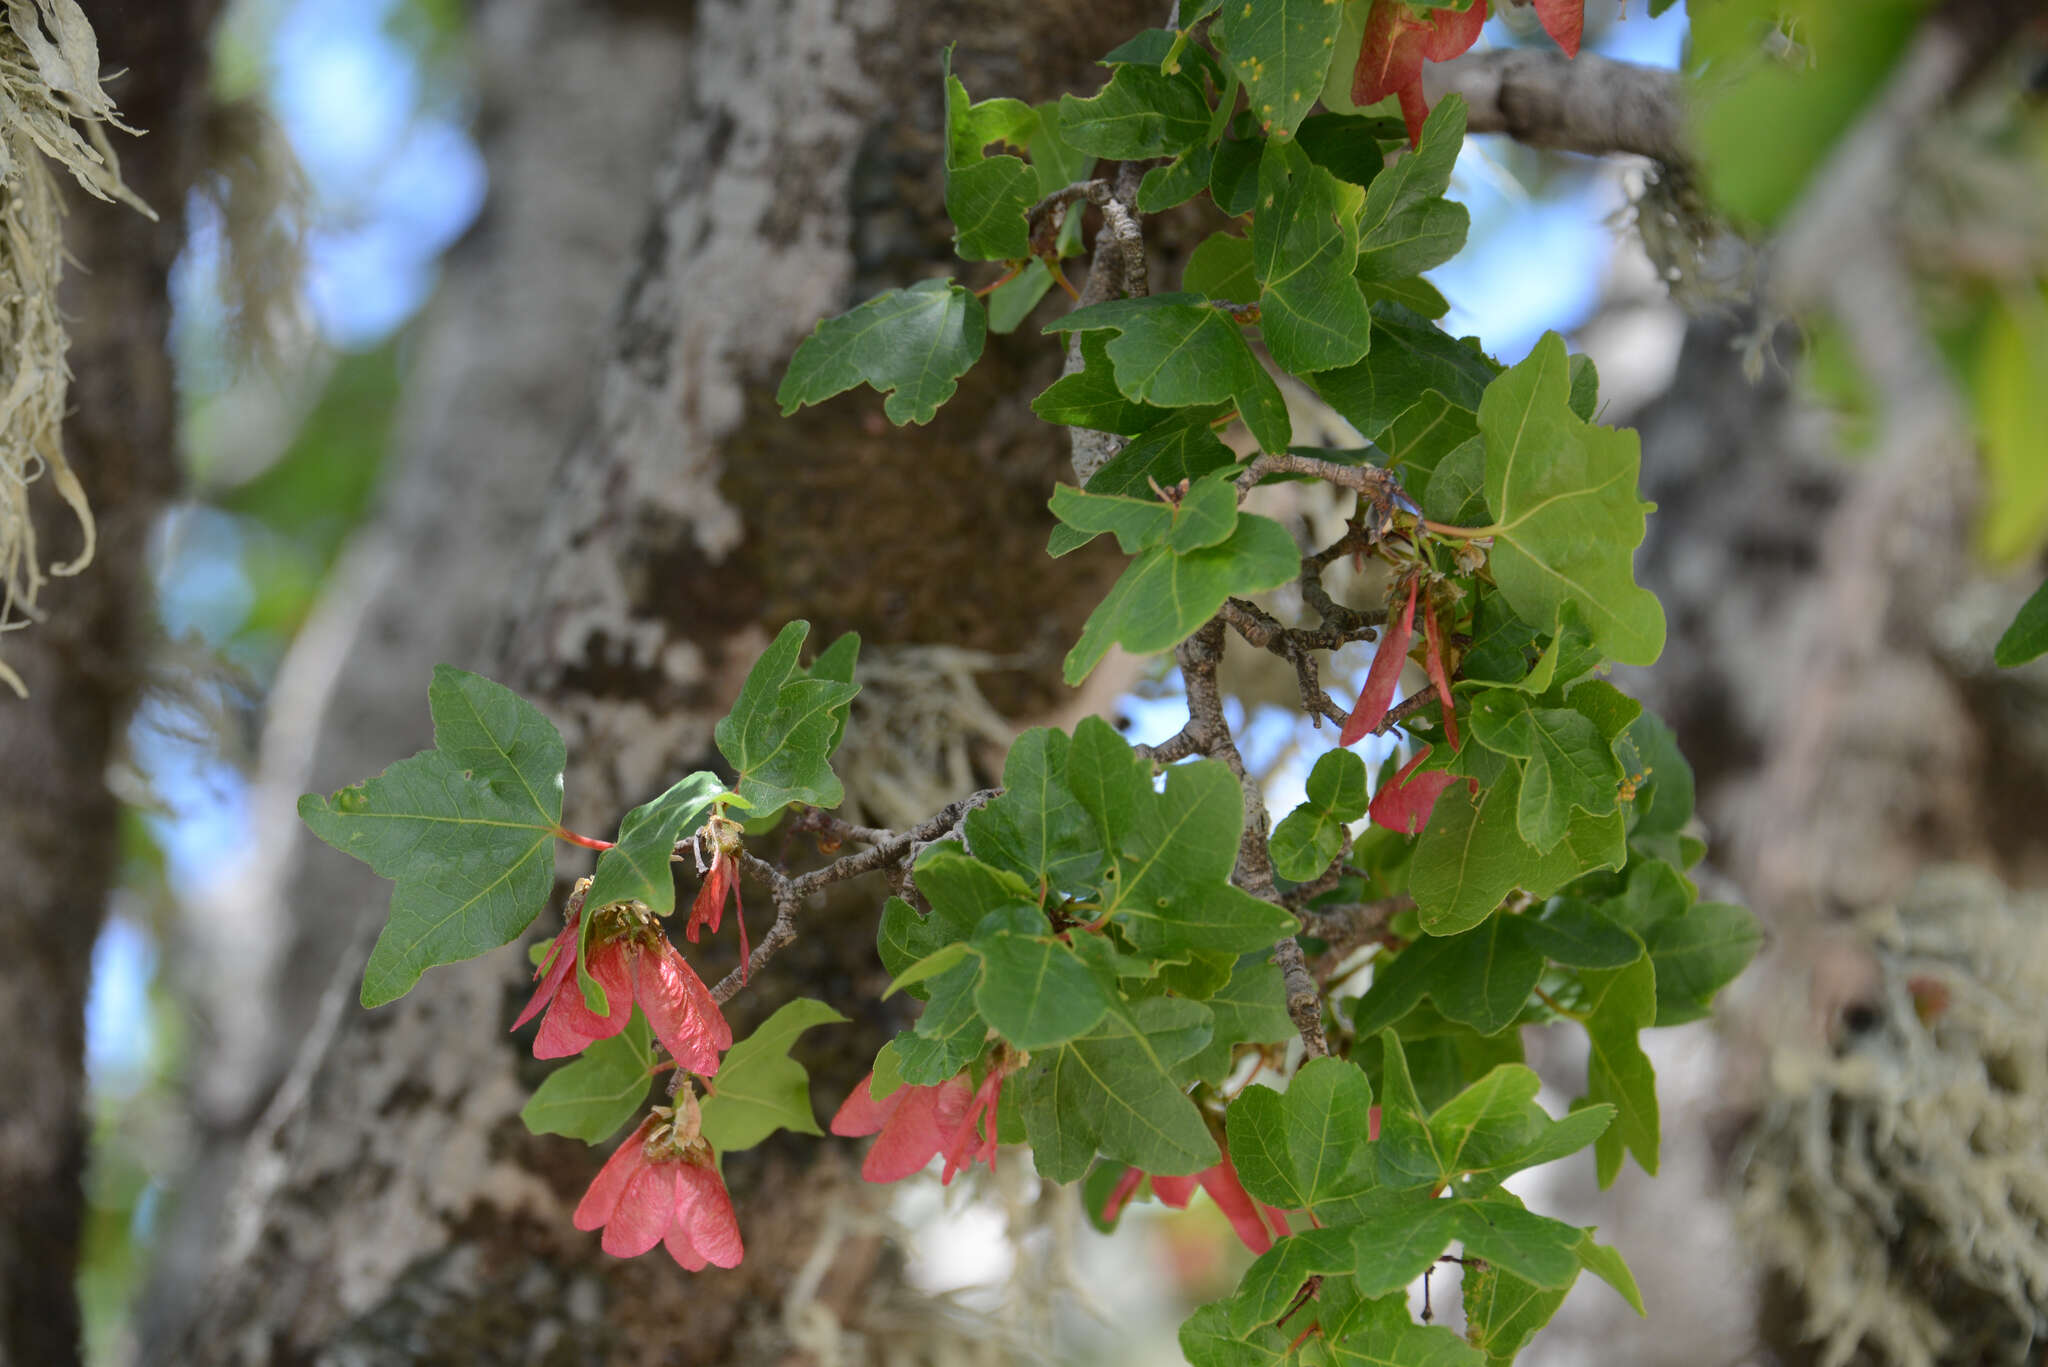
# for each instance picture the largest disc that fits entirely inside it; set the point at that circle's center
(1414, 111)
(570, 1025)
(1120, 1195)
(1390, 57)
(1403, 804)
(922, 1123)
(860, 1114)
(1564, 21)
(561, 958)
(704, 1220)
(1450, 33)
(597, 1205)
(644, 1213)
(1433, 661)
(680, 1009)
(1236, 1204)
(1378, 694)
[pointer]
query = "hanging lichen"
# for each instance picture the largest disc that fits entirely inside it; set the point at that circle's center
(1897, 1184)
(52, 110)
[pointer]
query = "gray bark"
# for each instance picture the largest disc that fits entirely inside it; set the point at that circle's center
(84, 666)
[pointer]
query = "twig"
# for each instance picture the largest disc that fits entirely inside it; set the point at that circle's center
(1117, 268)
(1198, 657)
(1345, 929)
(891, 849)
(1293, 645)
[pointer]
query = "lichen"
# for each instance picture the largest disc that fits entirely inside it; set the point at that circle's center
(1897, 1183)
(52, 111)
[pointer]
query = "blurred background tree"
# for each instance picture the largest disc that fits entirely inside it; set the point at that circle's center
(455, 341)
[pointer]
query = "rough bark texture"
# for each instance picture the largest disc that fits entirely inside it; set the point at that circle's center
(639, 537)
(84, 666)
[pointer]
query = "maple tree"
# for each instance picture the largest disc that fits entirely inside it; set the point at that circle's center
(1113, 951)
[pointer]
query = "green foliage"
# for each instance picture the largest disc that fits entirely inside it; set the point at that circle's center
(780, 733)
(465, 830)
(1310, 836)
(2027, 638)
(760, 1089)
(1101, 944)
(603, 1088)
(912, 344)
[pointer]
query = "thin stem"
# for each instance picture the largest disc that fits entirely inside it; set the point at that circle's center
(585, 841)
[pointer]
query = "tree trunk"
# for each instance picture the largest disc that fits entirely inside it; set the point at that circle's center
(618, 541)
(84, 665)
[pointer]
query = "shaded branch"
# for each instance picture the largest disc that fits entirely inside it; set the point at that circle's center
(1117, 269)
(1584, 104)
(893, 849)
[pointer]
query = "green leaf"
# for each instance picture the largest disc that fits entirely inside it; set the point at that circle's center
(1306, 1148)
(1411, 1345)
(473, 865)
(1303, 248)
(1163, 597)
(1467, 858)
(1566, 762)
(2027, 638)
(1310, 836)
(949, 1035)
(1011, 302)
(1485, 1123)
(930, 966)
(1699, 953)
(1410, 292)
(780, 731)
(987, 197)
(1141, 113)
(1534, 1247)
(965, 892)
(1620, 1002)
(1504, 1311)
(1234, 175)
(500, 738)
(1606, 1264)
(1555, 1139)
(1177, 182)
(1484, 977)
(912, 344)
(1250, 1008)
(1220, 267)
(1184, 446)
(1207, 1341)
(1406, 1151)
(1112, 1091)
(1169, 886)
(1664, 793)
(1574, 933)
(1400, 1243)
(1566, 517)
(600, 1090)
(1275, 1277)
(1281, 50)
(1036, 828)
(636, 869)
(1424, 433)
(1349, 147)
(1035, 992)
(1177, 350)
(905, 939)
(759, 1088)
(1410, 355)
(1089, 397)
(1408, 226)
(1205, 516)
